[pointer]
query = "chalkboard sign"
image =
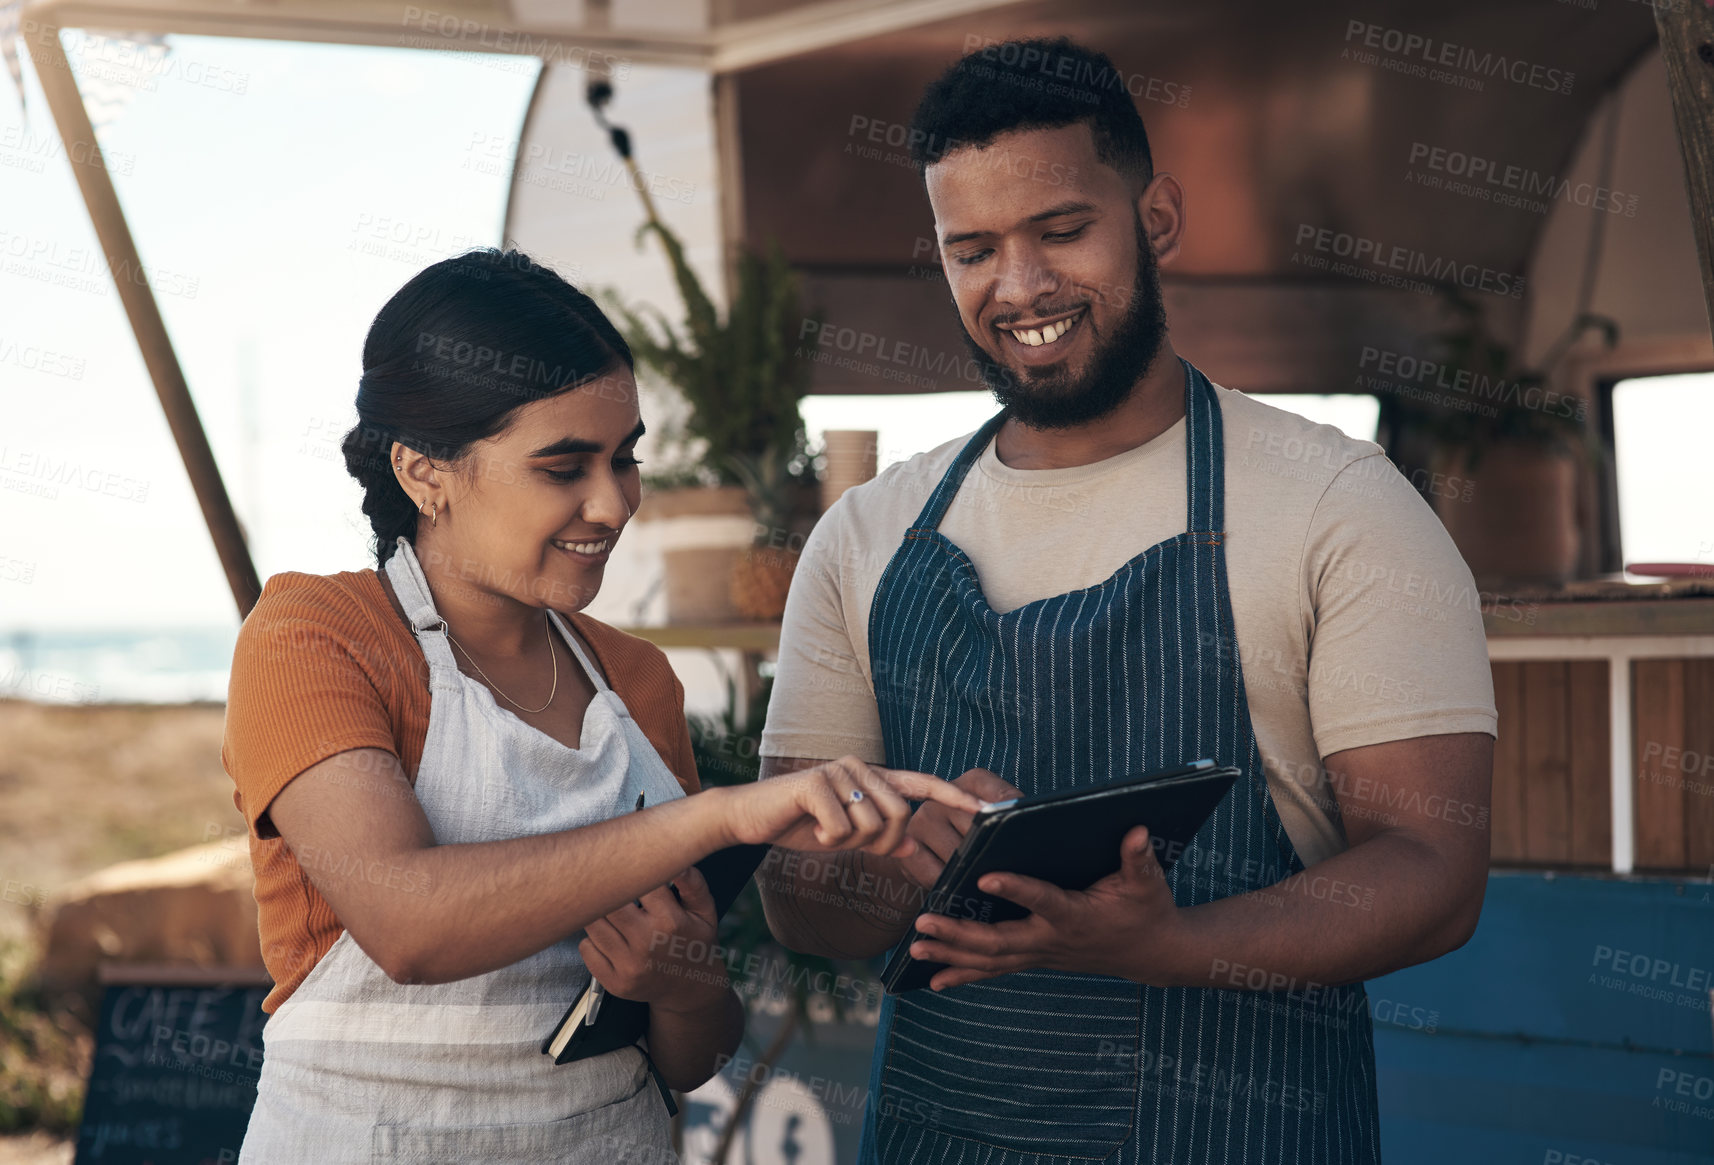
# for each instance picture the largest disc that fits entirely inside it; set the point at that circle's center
(174, 1075)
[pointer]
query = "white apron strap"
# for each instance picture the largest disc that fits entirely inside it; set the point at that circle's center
(412, 589)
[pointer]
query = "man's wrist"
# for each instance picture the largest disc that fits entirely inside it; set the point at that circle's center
(847, 881)
(888, 897)
(705, 989)
(1178, 955)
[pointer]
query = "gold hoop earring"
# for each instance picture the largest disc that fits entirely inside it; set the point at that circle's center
(434, 510)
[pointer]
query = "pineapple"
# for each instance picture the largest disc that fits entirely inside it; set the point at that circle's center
(763, 574)
(760, 580)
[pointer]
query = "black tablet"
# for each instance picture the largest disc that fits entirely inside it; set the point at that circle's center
(1069, 838)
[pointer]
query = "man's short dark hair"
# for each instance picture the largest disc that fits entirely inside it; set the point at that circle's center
(1032, 84)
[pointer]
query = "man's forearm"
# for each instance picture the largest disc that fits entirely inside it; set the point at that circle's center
(848, 905)
(689, 1046)
(1388, 903)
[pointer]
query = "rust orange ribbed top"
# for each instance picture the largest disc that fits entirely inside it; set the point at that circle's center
(324, 664)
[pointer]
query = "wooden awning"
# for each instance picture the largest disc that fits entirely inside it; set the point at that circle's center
(1267, 120)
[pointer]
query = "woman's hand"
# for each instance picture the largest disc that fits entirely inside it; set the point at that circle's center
(660, 950)
(816, 810)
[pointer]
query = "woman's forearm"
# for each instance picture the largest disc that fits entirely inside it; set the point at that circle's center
(477, 907)
(429, 913)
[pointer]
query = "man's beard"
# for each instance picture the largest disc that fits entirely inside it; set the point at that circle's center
(1054, 400)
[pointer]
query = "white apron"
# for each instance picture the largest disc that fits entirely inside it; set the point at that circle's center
(359, 1068)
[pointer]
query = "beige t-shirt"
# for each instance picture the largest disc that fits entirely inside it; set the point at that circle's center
(1357, 621)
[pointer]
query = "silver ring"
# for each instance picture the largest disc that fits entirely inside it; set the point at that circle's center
(856, 795)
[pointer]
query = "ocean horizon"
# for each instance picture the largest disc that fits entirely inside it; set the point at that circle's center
(192, 664)
(160, 665)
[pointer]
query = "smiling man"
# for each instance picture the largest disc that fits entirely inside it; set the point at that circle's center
(1126, 569)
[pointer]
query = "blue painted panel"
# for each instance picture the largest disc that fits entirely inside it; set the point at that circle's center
(1589, 960)
(1573, 1029)
(1459, 1098)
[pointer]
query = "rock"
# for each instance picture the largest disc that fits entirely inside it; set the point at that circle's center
(195, 907)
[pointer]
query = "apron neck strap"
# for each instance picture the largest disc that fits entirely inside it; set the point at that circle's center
(935, 508)
(412, 588)
(1204, 463)
(1205, 453)
(589, 668)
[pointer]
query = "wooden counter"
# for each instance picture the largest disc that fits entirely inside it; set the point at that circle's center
(1606, 739)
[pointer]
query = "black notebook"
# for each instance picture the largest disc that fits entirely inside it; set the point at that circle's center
(1069, 838)
(618, 1023)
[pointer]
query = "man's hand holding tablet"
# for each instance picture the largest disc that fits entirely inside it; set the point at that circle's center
(1083, 914)
(1119, 926)
(939, 829)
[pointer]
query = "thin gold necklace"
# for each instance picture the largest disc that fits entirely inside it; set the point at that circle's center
(547, 630)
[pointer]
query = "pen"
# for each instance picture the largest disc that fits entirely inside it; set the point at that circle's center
(638, 901)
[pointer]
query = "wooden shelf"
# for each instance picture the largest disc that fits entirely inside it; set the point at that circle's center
(737, 636)
(1516, 618)
(111, 974)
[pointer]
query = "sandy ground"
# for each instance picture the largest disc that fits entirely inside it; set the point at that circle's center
(84, 786)
(36, 1149)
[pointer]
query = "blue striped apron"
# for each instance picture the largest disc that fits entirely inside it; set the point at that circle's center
(1137, 672)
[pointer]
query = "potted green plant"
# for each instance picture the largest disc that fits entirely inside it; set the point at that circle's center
(1507, 449)
(742, 383)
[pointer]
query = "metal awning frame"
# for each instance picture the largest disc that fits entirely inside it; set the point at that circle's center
(734, 46)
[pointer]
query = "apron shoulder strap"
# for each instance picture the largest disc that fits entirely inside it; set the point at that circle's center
(412, 588)
(565, 632)
(1204, 463)
(935, 508)
(1205, 456)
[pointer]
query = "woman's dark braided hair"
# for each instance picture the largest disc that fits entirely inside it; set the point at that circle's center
(452, 355)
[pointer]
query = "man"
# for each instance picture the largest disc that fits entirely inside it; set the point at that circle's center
(1126, 569)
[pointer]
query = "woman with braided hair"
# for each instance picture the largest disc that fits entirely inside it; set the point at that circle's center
(439, 761)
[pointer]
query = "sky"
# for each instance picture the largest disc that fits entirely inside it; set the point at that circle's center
(279, 193)
(273, 222)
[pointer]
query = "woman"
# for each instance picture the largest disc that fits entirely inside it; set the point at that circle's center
(440, 770)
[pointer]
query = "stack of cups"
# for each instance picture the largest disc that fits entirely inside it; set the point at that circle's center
(850, 460)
